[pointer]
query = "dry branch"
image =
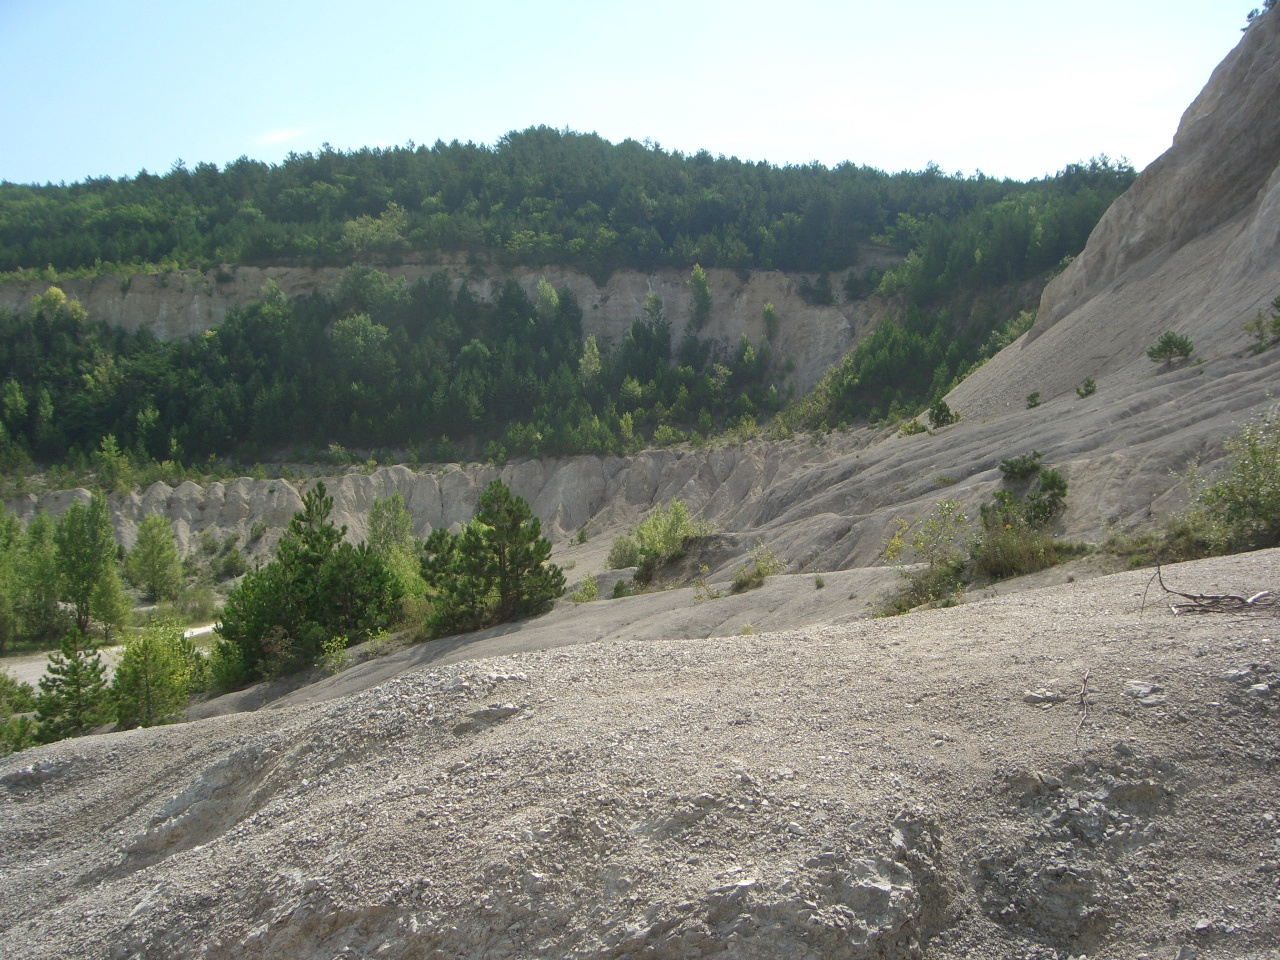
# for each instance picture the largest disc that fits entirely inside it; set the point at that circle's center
(1263, 603)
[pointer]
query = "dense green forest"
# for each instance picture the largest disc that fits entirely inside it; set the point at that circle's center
(536, 197)
(379, 363)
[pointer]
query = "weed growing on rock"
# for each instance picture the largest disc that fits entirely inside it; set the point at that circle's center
(702, 590)
(762, 563)
(1264, 331)
(1087, 389)
(587, 591)
(334, 657)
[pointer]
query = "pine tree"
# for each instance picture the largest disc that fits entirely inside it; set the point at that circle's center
(73, 696)
(495, 571)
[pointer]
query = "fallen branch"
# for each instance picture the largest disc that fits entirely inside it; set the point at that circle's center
(1084, 703)
(1263, 602)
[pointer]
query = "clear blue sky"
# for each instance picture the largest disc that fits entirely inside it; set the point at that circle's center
(94, 88)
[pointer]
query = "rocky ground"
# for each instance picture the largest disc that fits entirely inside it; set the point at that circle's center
(1070, 771)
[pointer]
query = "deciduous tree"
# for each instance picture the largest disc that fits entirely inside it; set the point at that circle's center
(153, 565)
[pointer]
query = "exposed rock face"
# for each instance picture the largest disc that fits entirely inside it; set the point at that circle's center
(185, 303)
(1193, 247)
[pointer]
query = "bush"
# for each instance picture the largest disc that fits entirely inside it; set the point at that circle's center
(663, 536)
(1264, 331)
(1087, 389)
(494, 571)
(1244, 505)
(625, 552)
(317, 587)
(1171, 346)
(334, 657)
(1238, 511)
(232, 564)
(1012, 550)
(940, 541)
(153, 565)
(1033, 400)
(154, 676)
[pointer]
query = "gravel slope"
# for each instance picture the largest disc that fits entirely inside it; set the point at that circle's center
(917, 787)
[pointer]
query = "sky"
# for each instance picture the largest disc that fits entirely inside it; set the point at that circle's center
(92, 89)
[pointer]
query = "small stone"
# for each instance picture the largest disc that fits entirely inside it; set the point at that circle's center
(795, 829)
(1042, 696)
(1259, 690)
(1203, 924)
(1188, 952)
(1238, 674)
(1139, 689)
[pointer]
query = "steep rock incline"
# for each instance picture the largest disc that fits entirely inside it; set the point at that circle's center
(1193, 247)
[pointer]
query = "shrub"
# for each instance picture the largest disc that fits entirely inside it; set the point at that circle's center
(663, 536)
(154, 676)
(73, 696)
(1022, 467)
(494, 571)
(940, 541)
(1243, 506)
(762, 563)
(153, 565)
(625, 552)
(1012, 550)
(1087, 389)
(318, 586)
(912, 428)
(1171, 346)
(232, 565)
(702, 590)
(1033, 400)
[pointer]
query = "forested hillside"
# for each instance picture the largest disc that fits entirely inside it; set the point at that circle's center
(380, 363)
(546, 196)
